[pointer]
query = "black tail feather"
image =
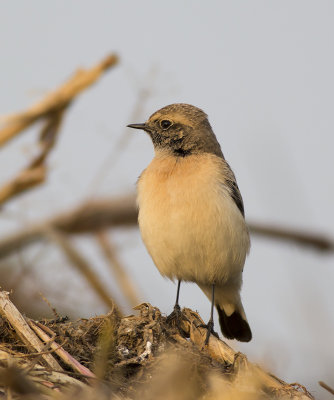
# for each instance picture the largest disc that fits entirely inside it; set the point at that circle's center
(234, 326)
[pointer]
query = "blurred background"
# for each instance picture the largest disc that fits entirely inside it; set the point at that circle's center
(263, 72)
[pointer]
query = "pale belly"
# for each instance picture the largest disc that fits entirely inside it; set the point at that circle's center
(190, 225)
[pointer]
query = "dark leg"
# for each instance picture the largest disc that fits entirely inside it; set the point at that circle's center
(176, 313)
(209, 325)
(177, 307)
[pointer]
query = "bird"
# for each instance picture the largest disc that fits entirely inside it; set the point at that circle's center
(191, 213)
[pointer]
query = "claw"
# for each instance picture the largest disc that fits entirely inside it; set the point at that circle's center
(175, 316)
(209, 331)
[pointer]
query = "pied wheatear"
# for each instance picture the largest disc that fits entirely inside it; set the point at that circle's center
(191, 213)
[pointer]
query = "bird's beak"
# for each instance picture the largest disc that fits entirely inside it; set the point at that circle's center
(137, 126)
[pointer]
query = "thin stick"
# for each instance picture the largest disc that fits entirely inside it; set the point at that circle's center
(51, 110)
(316, 241)
(78, 261)
(99, 214)
(118, 148)
(88, 217)
(35, 172)
(63, 354)
(56, 100)
(123, 279)
(26, 335)
(325, 386)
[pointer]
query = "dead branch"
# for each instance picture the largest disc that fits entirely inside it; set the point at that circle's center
(100, 214)
(50, 109)
(88, 217)
(192, 325)
(64, 355)
(80, 263)
(316, 241)
(123, 279)
(123, 140)
(55, 101)
(325, 386)
(35, 173)
(150, 330)
(11, 314)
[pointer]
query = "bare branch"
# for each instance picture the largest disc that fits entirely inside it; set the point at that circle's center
(55, 101)
(64, 355)
(11, 314)
(118, 148)
(100, 214)
(316, 241)
(79, 262)
(35, 173)
(325, 386)
(88, 217)
(123, 279)
(51, 109)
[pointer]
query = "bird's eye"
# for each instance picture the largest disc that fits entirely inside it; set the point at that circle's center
(165, 124)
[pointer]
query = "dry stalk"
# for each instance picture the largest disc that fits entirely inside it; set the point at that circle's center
(79, 262)
(314, 241)
(88, 217)
(35, 173)
(64, 355)
(18, 375)
(243, 370)
(325, 386)
(24, 332)
(51, 110)
(120, 145)
(122, 277)
(100, 214)
(55, 101)
(192, 324)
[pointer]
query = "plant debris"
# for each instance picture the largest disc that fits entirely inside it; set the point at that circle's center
(144, 356)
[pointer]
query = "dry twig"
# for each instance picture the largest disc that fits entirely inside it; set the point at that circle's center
(100, 214)
(64, 355)
(78, 261)
(35, 172)
(316, 241)
(51, 110)
(141, 339)
(55, 101)
(123, 279)
(14, 317)
(325, 386)
(192, 325)
(88, 217)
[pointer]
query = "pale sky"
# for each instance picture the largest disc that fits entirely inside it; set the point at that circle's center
(263, 72)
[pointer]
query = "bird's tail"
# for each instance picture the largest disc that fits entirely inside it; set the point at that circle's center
(234, 326)
(232, 317)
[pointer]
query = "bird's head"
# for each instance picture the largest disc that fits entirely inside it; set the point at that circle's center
(182, 130)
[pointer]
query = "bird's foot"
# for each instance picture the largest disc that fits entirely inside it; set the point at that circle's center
(209, 331)
(175, 318)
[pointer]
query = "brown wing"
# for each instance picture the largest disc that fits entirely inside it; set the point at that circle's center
(236, 196)
(234, 189)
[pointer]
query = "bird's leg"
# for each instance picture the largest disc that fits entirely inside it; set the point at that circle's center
(176, 306)
(209, 325)
(176, 313)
